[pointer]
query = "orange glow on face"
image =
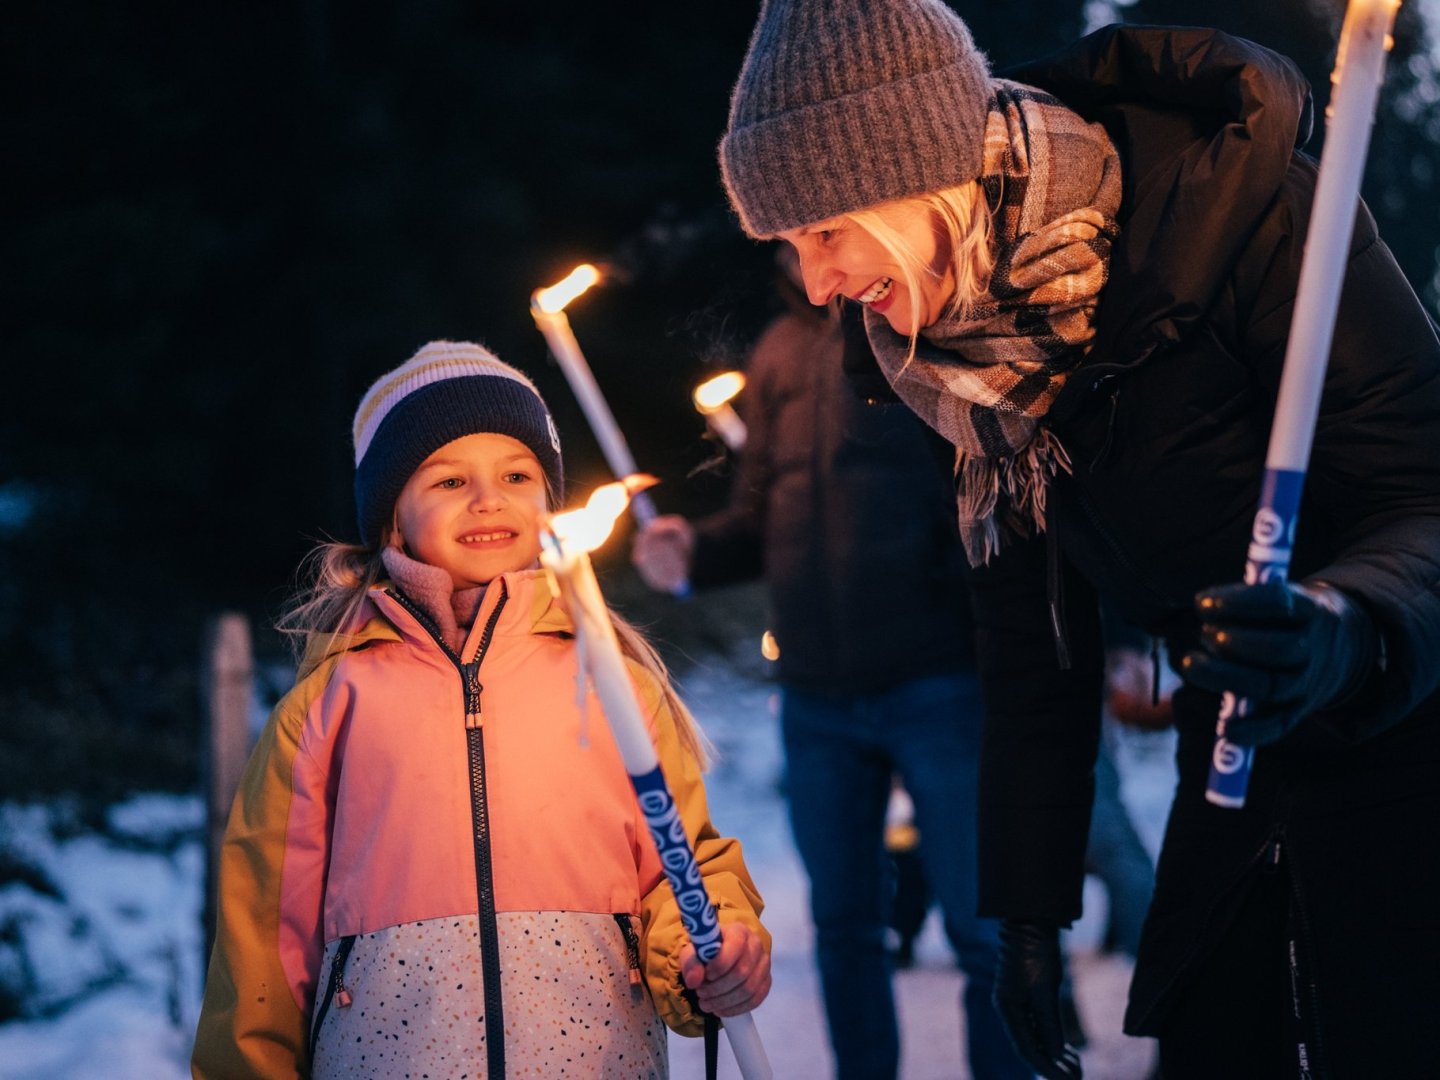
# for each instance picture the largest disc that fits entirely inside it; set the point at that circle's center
(713, 393)
(552, 300)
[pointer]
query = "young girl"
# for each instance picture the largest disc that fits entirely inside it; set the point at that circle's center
(435, 864)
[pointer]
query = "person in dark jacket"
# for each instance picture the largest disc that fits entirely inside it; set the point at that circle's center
(1084, 277)
(845, 511)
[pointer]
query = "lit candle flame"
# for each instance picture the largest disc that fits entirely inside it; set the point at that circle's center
(590, 526)
(769, 647)
(713, 393)
(552, 300)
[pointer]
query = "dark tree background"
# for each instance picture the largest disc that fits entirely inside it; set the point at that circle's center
(226, 220)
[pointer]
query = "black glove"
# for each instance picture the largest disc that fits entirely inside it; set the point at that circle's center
(1286, 649)
(1027, 995)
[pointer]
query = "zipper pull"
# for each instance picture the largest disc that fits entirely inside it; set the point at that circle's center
(1055, 596)
(472, 694)
(342, 992)
(1272, 864)
(1109, 442)
(632, 945)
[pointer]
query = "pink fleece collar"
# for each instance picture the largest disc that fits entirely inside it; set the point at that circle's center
(431, 588)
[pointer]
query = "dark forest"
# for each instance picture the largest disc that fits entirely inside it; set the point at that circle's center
(226, 220)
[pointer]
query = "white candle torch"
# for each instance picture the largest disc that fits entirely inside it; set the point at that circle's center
(1359, 65)
(712, 398)
(566, 542)
(548, 305)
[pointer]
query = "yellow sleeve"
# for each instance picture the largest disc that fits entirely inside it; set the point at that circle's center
(722, 866)
(250, 1025)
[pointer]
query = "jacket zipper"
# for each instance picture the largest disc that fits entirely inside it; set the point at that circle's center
(334, 989)
(632, 944)
(494, 1018)
(1307, 995)
(1109, 442)
(484, 869)
(1271, 849)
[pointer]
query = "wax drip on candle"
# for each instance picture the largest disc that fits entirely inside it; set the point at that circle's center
(582, 685)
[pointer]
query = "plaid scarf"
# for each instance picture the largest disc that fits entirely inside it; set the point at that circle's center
(987, 379)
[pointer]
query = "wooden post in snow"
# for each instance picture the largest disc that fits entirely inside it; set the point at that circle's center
(227, 683)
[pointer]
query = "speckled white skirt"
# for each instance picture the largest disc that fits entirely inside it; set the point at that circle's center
(416, 1003)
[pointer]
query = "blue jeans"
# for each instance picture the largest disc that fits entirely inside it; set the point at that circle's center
(840, 754)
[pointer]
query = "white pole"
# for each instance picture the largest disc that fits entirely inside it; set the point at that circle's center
(555, 325)
(605, 667)
(1359, 67)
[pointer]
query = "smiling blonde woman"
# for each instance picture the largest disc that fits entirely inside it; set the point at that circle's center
(1099, 330)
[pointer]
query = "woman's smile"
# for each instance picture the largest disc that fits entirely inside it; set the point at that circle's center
(842, 257)
(878, 296)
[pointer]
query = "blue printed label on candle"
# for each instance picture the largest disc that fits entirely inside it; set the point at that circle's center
(697, 913)
(1272, 538)
(1229, 763)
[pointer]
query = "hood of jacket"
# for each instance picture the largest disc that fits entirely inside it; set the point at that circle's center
(1201, 119)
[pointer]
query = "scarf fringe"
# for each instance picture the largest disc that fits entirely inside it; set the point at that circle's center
(1022, 480)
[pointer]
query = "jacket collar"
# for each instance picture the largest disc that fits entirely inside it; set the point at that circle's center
(529, 608)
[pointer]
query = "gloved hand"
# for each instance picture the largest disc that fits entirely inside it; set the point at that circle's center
(1027, 995)
(1286, 648)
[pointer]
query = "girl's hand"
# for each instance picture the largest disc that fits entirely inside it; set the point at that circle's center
(737, 979)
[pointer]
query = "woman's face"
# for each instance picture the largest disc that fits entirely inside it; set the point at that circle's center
(473, 509)
(839, 257)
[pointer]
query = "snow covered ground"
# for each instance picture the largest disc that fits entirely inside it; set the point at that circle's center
(104, 941)
(100, 934)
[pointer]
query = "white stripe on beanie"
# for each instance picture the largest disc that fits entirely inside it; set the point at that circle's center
(435, 362)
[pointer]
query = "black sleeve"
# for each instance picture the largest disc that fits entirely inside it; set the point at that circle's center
(1042, 726)
(1374, 475)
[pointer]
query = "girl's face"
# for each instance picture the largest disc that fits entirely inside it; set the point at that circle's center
(840, 258)
(473, 508)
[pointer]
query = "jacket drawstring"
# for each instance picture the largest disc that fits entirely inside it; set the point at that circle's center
(1055, 593)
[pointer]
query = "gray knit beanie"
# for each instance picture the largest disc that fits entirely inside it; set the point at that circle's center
(842, 104)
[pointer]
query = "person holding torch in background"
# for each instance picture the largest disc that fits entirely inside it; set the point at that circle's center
(876, 662)
(1084, 279)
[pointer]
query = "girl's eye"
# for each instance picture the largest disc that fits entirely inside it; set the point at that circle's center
(450, 483)
(517, 477)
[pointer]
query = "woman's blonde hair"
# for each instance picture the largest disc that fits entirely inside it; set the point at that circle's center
(961, 216)
(336, 577)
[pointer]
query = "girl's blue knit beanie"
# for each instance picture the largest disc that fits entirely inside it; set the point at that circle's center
(447, 390)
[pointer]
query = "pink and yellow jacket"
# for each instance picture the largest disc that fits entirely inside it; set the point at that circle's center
(424, 843)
